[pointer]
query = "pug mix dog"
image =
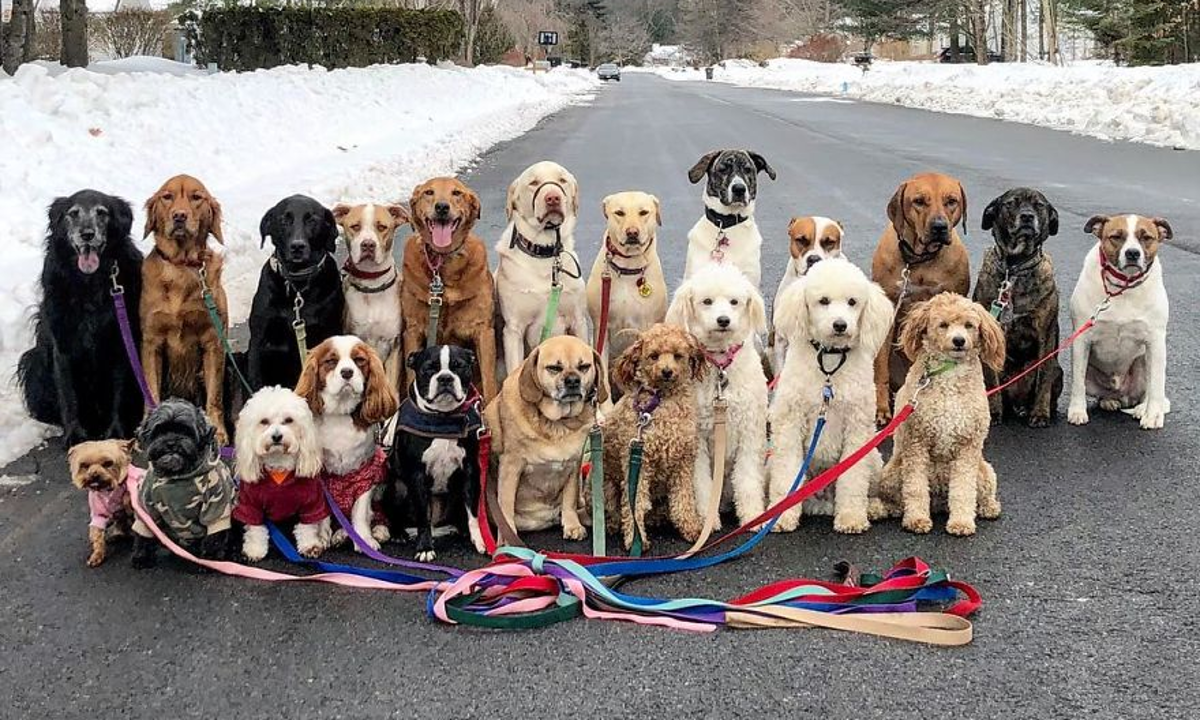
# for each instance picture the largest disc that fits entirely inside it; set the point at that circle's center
(1016, 281)
(539, 422)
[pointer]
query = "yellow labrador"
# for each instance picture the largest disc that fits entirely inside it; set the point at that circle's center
(539, 422)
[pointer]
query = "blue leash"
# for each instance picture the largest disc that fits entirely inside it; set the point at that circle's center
(281, 542)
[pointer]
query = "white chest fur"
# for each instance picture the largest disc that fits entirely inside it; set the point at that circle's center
(374, 317)
(442, 459)
(344, 447)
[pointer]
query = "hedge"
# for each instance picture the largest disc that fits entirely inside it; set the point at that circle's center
(250, 38)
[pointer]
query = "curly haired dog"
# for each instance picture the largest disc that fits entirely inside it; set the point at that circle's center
(658, 374)
(835, 320)
(940, 447)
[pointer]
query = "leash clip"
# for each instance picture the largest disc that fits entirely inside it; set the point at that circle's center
(905, 274)
(117, 288)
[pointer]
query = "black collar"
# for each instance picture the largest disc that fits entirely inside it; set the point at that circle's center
(722, 220)
(823, 352)
(911, 257)
(532, 249)
(301, 277)
(1022, 267)
(375, 289)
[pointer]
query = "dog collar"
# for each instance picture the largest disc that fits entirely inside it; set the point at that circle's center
(722, 220)
(725, 358)
(911, 257)
(532, 249)
(301, 275)
(644, 409)
(644, 288)
(180, 261)
(353, 271)
(374, 289)
(1022, 267)
(1112, 277)
(824, 352)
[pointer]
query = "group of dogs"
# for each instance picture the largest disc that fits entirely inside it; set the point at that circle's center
(413, 360)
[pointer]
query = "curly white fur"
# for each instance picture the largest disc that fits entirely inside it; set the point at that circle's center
(720, 290)
(837, 306)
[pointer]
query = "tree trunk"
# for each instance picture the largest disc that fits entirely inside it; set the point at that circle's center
(979, 30)
(1024, 30)
(18, 40)
(74, 32)
(469, 9)
(955, 31)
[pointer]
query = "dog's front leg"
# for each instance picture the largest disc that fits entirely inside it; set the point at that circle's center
(573, 529)
(852, 493)
(412, 340)
(152, 358)
(255, 542)
(485, 349)
(421, 485)
(963, 493)
(991, 378)
(883, 388)
(511, 469)
(99, 546)
(702, 472)
(1077, 413)
(681, 502)
(1046, 379)
(749, 472)
(68, 402)
(308, 539)
(579, 324)
(514, 345)
(785, 464)
(214, 385)
(360, 519)
(1154, 406)
(915, 487)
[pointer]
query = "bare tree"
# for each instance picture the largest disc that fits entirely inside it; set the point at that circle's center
(18, 38)
(125, 33)
(74, 32)
(623, 39)
(524, 19)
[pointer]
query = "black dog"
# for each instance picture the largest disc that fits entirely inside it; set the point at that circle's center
(304, 235)
(435, 450)
(187, 491)
(77, 374)
(1021, 220)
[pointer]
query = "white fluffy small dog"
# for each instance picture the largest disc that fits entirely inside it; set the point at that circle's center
(278, 461)
(811, 239)
(836, 320)
(722, 308)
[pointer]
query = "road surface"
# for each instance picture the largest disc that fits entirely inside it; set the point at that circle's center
(1089, 579)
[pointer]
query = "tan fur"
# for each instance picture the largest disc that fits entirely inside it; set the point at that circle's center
(103, 462)
(176, 330)
(468, 302)
(912, 209)
(939, 449)
(538, 439)
(379, 401)
(670, 439)
(802, 236)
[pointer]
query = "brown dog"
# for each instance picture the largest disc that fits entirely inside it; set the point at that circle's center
(101, 468)
(176, 329)
(539, 422)
(921, 239)
(443, 212)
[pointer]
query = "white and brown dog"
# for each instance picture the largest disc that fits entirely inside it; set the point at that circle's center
(638, 289)
(347, 390)
(811, 239)
(1122, 361)
(537, 248)
(372, 282)
(727, 231)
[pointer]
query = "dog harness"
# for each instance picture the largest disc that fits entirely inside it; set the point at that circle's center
(105, 505)
(269, 499)
(457, 424)
(346, 489)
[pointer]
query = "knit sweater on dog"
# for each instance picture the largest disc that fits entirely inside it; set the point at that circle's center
(345, 489)
(105, 505)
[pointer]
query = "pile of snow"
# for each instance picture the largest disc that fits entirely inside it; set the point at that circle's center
(253, 138)
(667, 55)
(136, 64)
(1155, 105)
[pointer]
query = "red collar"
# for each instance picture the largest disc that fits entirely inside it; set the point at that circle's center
(612, 249)
(1110, 276)
(723, 360)
(353, 271)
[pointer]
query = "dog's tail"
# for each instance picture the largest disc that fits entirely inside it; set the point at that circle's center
(35, 374)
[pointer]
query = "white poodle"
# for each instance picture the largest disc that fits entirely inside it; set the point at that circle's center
(279, 460)
(725, 312)
(835, 320)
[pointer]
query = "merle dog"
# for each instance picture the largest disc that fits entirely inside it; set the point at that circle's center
(304, 235)
(727, 230)
(435, 449)
(1021, 220)
(77, 375)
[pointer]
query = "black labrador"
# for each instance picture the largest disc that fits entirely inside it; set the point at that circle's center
(1021, 220)
(77, 375)
(304, 234)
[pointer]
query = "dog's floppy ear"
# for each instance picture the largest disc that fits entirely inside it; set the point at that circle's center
(912, 335)
(476, 211)
(329, 230)
(991, 339)
(681, 313)
(309, 385)
(757, 309)
(1164, 228)
(574, 193)
(700, 169)
(379, 399)
(989, 214)
(657, 210)
(895, 210)
(624, 370)
(56, 213)
(601, 386)
(414, 217)
(400, 214)
(697, 359)
(1095, 225)
(246, 463)
(1052, 222)
(264, 227)
(876, 320)
(215, 219)
(791, 312)
(340, 211)
(761, 164)
(531, 389)
(411, 361)
(510, 201)
(962, 195)
(604, 205)
(151, 215)
(121, 222)
(308, 461)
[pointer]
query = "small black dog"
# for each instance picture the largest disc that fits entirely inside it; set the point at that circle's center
(304, 235)
(77, 375)
(435, 450)
(1021, 220)
(188, 491)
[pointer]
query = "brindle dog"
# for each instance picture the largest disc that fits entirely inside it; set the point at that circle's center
(1021, 220)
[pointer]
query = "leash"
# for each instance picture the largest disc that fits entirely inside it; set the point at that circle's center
(595, 476)
(214, 317)
(606, 278)
(637, 447)
(135, 361)
(290, 284)
(436, 289)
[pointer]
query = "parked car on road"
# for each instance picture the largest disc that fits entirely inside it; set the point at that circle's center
(966, 55)
(608, 71)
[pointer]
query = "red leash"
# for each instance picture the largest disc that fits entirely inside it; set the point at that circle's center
(1057, 351)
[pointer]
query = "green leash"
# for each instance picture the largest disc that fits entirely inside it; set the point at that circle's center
(210, 304)
(636, 448)
(596, 476)
(551, 309)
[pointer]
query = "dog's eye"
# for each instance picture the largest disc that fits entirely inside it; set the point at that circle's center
(101, 212)
(356, 227)
(107, 464)
(287, 421)
(951, 201)
(456, 193)
(734, 302)
(380, 227)
(74, 213)
(429, 192)
(852, 302)
(677, 357)
(619, 213)
(554, 369)
(824, 301)
(944, 325)
(167, 197)
(197, 197)
(534, 183)
(264, 422)
(707, 301)
(969, 326)
(920, 202)
(360, 361)
(643, 213)
(585, 367)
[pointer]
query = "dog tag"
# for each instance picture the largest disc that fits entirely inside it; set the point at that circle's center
(645, 289)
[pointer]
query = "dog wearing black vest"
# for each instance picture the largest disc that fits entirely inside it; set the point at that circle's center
(433, 466)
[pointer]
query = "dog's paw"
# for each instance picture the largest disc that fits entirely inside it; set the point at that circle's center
(311, 551)
(1153, 419)
(882, 417)
(369, 542)
(988, 509)
(574, 532)
(851, 524)
(426, 556)
(1109, 404)
(1077, 415)
(381, 533)
(920, 525)
(222, 437)
(255, 551)
(788, 521)
(338, 538)
(1038, 420)
(960, 527)
(96, 558)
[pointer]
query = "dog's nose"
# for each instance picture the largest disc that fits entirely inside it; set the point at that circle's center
(813, 260)
(87, 235)
(347, 373)
(633, 233)
(179, 217)
(572, 382)
(297, 247)
(723, 321)
(553, 199)
(277, 437)
(940, 226)
(667, 373)
(441, 208)
(1027, 218)
(839, 326)
(368, 246)
(445, 380)
(1133, 255)
(738, 190)
(959, 341)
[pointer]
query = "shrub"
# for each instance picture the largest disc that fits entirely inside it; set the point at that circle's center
(826, 48)
(130, 32)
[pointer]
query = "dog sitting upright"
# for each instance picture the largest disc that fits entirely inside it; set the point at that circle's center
(101, 467)
(727, 231)
(434, 451)
(1016, 280)
(188, 491)
(810, 240)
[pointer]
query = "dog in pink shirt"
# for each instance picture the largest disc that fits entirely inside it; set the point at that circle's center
(101, 467)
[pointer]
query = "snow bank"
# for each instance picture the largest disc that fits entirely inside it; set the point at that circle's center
(1159, 106)
(252, 138)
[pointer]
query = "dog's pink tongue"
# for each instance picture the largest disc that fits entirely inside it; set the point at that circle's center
(443, 234)
(88, 261)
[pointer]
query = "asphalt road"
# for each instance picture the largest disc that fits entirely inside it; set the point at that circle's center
(1089, 579)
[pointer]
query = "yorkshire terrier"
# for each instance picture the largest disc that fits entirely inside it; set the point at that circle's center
(101, 467)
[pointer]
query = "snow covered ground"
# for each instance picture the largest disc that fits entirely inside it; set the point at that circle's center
(1159, 105)
(252, 138)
